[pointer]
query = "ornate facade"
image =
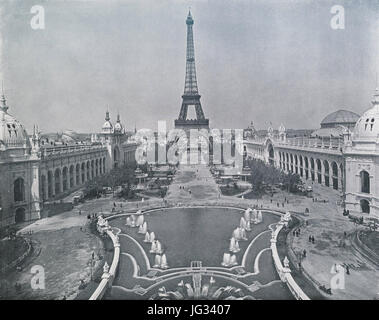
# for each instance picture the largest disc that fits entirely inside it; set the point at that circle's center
(343, 154)
(33, 171)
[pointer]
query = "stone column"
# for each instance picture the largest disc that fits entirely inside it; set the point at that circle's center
(34, 192)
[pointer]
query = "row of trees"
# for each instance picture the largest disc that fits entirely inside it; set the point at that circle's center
(121, 176)
(263, 174)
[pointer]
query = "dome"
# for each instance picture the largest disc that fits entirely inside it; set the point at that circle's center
(367, 127)
(12, 133)
(107, 126)
(118, 126)
(334, 132)
(340, 117)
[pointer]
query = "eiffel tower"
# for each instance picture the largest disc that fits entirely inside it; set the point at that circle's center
(191, 97)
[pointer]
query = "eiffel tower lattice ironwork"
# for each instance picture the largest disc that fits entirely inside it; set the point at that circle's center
(191, 95)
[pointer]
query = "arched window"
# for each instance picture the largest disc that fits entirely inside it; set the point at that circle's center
(365, 182)
(57, 178)
(20, 215)
(365, 206)
(19, 190)
(271, 154)
(77, 171)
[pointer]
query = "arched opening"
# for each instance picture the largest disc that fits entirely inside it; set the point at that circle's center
(64, 182)
(97, 167)
(342, 174)
(103, 165)
(88, 171)
(287, 162)
(71, 176)
(77, 172)
(92, 169)
(83, 173)
(306, 168)
(326, 175)
(43, 187)
(116, 156)
(301, 166)
(296, 164)
(271, 159)
(19, 190)
(19, 215)
(319, 174)
(57, 177)
(365, 206)
(335, 175)
(365, 181)
(312, 169)
(50, 186)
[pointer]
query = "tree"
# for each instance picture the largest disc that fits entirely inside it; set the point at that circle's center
(261, 174)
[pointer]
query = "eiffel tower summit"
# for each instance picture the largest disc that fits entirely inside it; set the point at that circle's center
(191, 96)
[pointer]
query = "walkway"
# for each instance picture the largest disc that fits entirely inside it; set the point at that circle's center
(327, 224)
(63, 245)
(193, 183)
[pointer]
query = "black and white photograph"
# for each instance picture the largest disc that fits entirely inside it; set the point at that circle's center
(189, 150)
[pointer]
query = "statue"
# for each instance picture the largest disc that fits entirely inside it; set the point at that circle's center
(286, 262)
(106, 267)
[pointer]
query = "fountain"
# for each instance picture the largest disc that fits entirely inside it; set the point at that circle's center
(147, 237)
(128, 221)
(259, 218)
(242, 223)
(196, 280)
(234, 246)
(157, 261)
(143, 228)
(254, 215)
(190, 292)
(226, 260)
(229, 260)
(236, 233)
(243, 234)
(247, 215)
(156, 247)
(140, 220)
(233, 260)
(133, 220)
(153, 246)
(205, 290)
(248, 226)
(152, 236)
(159, 247)
(212, 280)
(164, 264)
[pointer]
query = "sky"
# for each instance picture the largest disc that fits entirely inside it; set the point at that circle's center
(259, 60)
